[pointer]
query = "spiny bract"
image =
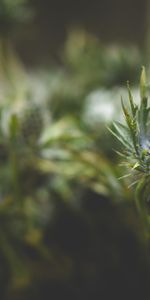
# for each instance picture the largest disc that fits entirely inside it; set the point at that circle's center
(135, 135)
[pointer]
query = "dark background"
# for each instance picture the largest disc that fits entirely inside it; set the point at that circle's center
(113, 21)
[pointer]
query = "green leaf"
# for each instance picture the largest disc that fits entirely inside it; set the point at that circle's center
(136, 165)
(13, 126)
(132, 124)
(63, 130)
(143, 84)
(124, 133)
(119, 138)
(134, 107)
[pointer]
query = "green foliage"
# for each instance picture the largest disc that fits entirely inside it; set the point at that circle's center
(43, 157)
(50, 162)
(135, 136)
(88, 65)
(12, 14)
(135, 140)
(94, 64)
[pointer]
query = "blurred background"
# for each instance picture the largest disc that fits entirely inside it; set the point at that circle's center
(112, 22)
(68, 224)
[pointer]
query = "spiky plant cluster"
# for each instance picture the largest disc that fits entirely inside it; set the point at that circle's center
(135, 135)
(135, 138)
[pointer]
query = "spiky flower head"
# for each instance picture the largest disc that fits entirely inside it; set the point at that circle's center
(135, 135)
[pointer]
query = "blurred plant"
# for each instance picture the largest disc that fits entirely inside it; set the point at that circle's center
(66, 97)
(88, 66)
(48, 154)
(95, 65)
(41, 159)
(13, 13)
(135, 138)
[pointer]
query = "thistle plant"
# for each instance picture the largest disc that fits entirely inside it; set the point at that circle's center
(135, 138)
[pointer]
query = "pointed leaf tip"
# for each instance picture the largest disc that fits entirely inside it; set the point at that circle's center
(143, 83)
